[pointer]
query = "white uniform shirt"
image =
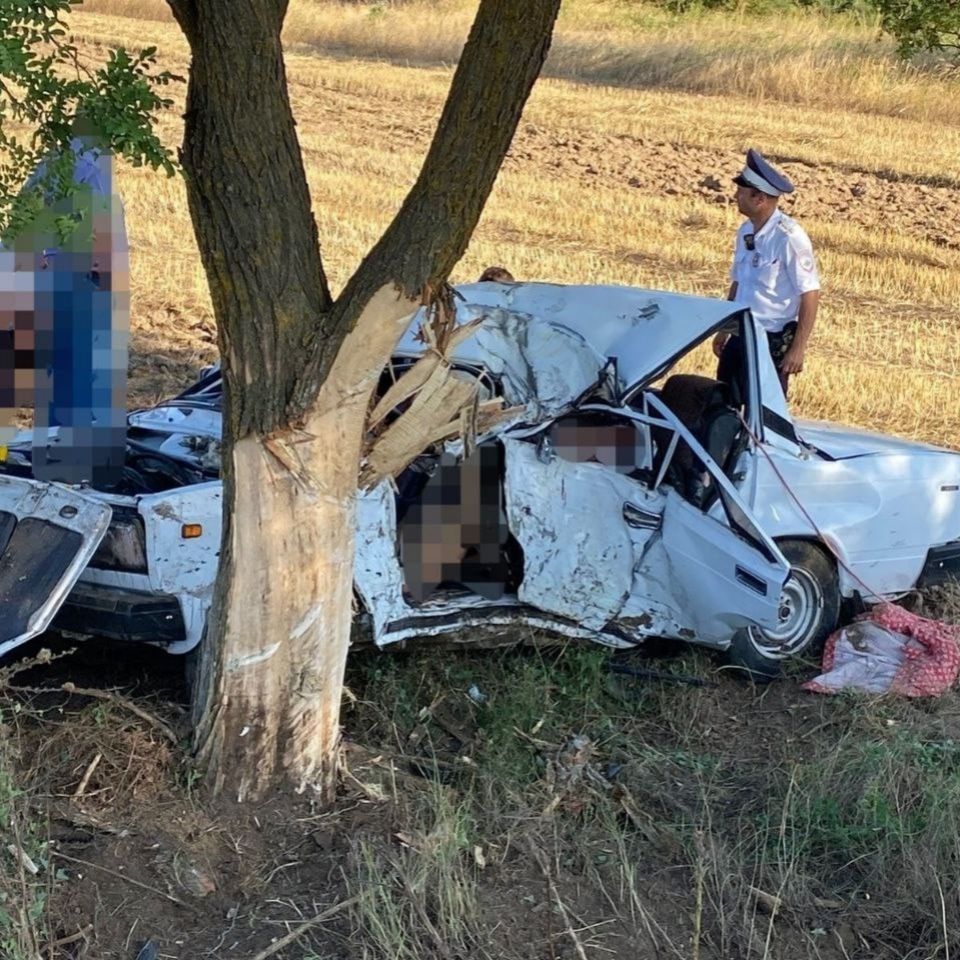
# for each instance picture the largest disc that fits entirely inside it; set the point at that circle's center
(772, 277)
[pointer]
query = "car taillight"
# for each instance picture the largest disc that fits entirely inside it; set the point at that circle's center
(123, 546)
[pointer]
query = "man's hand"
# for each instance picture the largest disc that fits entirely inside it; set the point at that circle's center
(793, 361)
(719, 342)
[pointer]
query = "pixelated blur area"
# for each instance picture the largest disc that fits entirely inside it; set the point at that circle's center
(453, 529)
(81, 337)
(17, 364)
(586, 438)
(64, 320)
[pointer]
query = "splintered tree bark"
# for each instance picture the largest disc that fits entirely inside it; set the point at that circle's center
(286, 599)
(299, 369)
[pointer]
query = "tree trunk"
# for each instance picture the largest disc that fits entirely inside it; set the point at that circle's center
(299, 370)
(250, 206)
(285, 595)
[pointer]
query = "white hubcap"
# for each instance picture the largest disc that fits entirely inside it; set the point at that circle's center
(801, 607)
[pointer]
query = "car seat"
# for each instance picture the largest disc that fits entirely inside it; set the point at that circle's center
(704, 407)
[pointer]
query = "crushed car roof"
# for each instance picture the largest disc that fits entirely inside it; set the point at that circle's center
(549, 343)
(642, 330)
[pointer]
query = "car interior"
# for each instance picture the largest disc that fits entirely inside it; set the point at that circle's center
(480, 555)
(710, 409)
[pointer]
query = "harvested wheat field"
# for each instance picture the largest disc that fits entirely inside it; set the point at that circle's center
(527, 804)
(610, 184)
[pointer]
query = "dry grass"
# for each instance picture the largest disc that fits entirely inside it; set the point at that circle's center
(837, 63)
(804, 59)
(887, 352)
(814, 803)
(418, 897)
(24, 886)
(735, 822)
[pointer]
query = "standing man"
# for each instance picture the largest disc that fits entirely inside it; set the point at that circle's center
(81, 307)
(774, 273)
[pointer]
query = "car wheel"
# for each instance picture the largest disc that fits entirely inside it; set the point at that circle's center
(809, 609)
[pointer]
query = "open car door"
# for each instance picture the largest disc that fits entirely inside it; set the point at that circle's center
(48, 534)
(627, 552)
(724, 571)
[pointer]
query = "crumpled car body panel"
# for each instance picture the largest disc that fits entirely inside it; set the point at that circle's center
(590, 548)
(48, 534)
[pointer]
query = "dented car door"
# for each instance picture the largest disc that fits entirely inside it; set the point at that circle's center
(613, 547)
(48, 533)
(715, 567)
(581, 526)
(580, 518)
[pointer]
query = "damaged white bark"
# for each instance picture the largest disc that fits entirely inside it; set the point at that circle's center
(289, 607)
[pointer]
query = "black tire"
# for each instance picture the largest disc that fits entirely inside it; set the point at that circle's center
(811, 604)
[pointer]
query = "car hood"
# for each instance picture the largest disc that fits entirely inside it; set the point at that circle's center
(643, 331)
(48, 534)
(844, 443)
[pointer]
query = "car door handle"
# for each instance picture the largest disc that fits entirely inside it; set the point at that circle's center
(752, 581)
(640, 519)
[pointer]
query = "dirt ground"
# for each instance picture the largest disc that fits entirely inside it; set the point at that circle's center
(147, 861)
(925, 210)
(147, 857)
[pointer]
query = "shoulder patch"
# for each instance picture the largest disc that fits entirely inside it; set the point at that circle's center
(806, 263)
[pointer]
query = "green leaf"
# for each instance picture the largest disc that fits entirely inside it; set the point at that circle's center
(44, 86)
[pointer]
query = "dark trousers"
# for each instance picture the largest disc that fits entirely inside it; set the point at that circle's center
(80, 352)
(730, 368)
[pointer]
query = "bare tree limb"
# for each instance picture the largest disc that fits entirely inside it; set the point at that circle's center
(306, 927)
(122, 702)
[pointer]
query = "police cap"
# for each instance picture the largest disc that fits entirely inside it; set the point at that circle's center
(762, 176)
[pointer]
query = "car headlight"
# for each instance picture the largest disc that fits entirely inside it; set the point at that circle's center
(124, 544)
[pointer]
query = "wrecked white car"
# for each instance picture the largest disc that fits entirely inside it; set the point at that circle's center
(624, 501)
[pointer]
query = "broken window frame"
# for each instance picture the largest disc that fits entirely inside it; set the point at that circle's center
(735, 511)
(737, 324)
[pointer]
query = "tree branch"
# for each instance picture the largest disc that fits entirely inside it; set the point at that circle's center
(250, 206)
(504, 53)
(184, 12)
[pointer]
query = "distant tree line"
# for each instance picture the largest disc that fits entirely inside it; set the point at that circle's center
(916, 25)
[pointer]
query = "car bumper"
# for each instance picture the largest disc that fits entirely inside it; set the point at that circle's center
(119, 614)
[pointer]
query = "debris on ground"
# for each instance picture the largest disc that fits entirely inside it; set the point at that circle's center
(662, 676)
(572, 774)
(890, 650)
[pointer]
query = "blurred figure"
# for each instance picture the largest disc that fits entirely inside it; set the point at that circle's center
(496, 275)
(77, 248)
(16, 343)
